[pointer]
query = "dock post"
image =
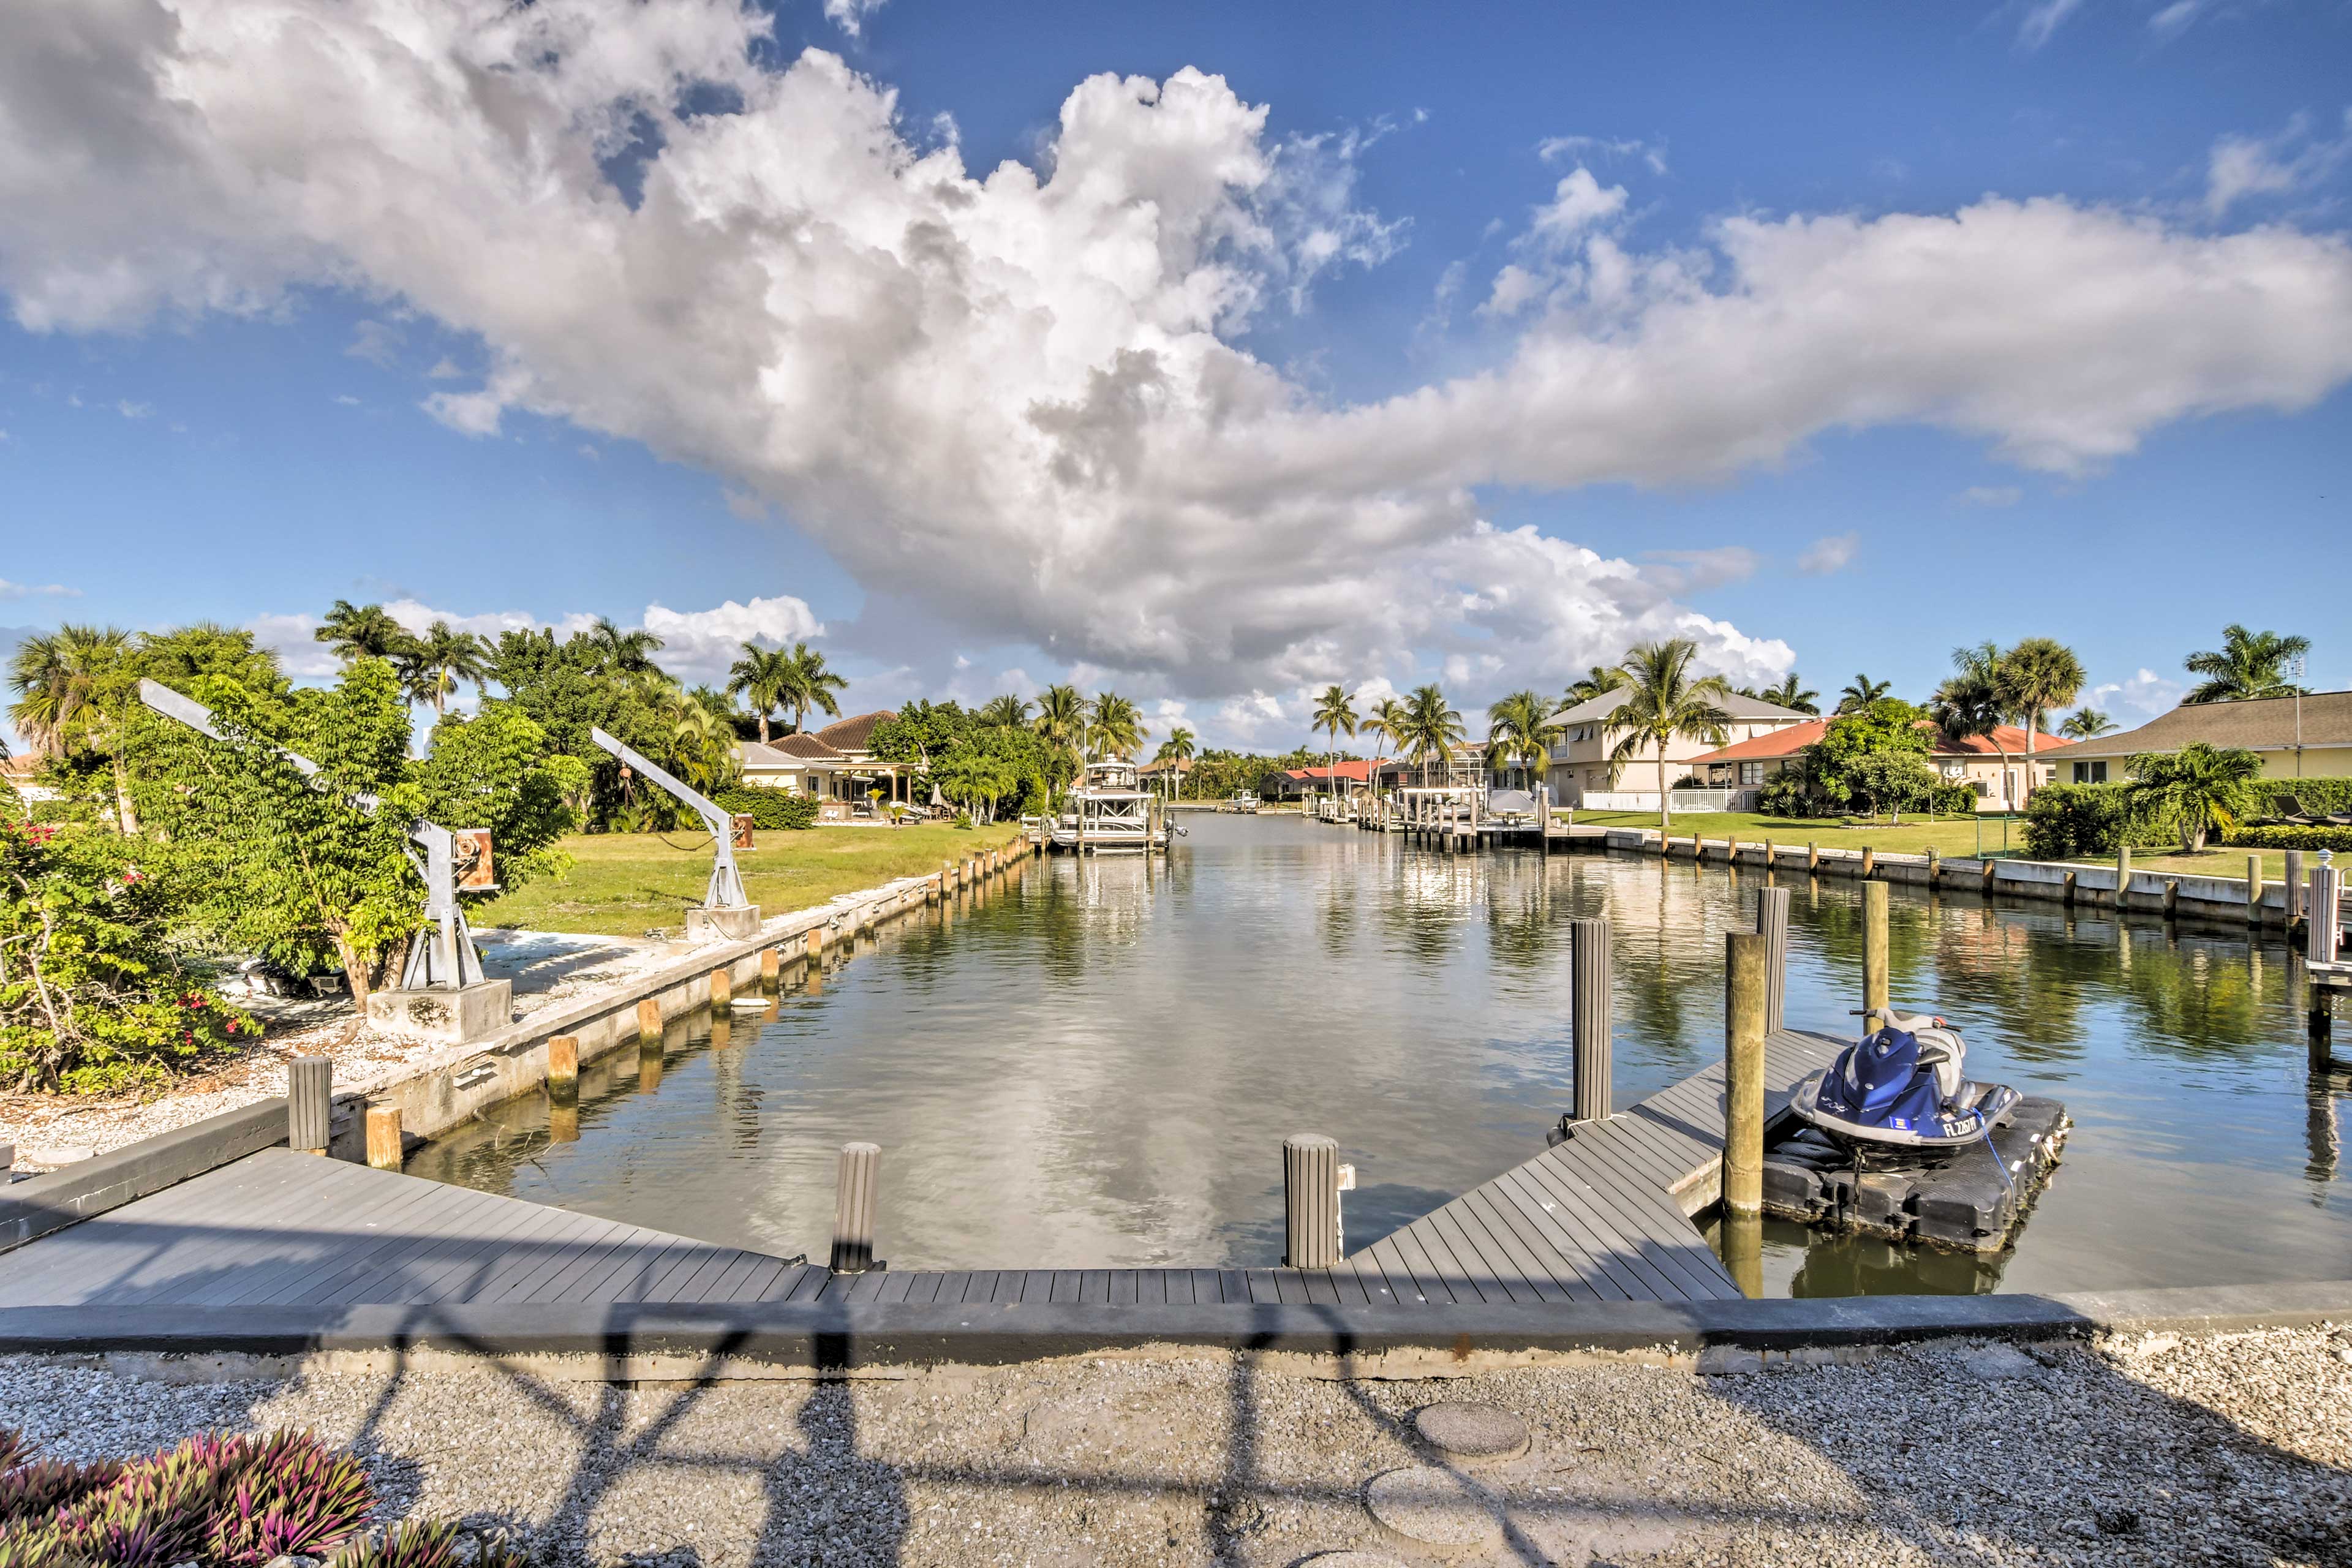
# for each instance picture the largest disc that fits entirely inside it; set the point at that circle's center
(1770, 860)
(2324, 918)
(384, 1145)
(1935, 869)
(2253, 889)
(1812, 856)
(1593, 1021)
(2066, 892)
(1869, 861)
(309, 1103)
(1743, 1074)
(853, 1207)
(649, 1021)
(2171, 898)
(564, 1069)
(1772, 922)
(723, 987)
(2123, 877)
(814, 940)
(1874, 947)
(2294, 892)
(1310, 1202)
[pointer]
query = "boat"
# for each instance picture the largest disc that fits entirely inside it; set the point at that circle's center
(1244, 803)
(1110, 812)
(1902, 1087)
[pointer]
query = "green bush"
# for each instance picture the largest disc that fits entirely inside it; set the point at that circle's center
(1952, 799)
(2311, 797)
(776, 810)
(1783, 794)
(2087, 821)
(2336, 839)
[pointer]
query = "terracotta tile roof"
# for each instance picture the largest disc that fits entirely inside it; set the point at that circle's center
(786, 750)
(1358, 771)
(857, 732)
(2265, 724)
(23, 766)
(2006, 737)
(1789, 742)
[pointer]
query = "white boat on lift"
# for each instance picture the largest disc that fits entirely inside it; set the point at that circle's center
(1110, 812)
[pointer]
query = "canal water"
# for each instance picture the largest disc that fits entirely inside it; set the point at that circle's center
(1096, 1064)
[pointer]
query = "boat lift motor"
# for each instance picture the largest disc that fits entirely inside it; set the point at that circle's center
(725, 911)
(442, 992)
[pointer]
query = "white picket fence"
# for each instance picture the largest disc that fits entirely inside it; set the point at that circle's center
(1647, 800)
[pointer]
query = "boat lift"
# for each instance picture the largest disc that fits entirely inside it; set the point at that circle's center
(446, 962)
(725, 911)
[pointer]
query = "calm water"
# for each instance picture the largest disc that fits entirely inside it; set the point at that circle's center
(1095, 1066)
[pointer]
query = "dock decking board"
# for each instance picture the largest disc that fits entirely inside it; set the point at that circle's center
(1593, 1218)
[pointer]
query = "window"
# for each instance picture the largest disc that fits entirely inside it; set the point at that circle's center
(2088, 773)
(1751, 772)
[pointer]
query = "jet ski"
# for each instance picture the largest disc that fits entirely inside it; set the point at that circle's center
(1900, 1088)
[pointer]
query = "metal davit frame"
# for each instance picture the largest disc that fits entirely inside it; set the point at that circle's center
(726, 889)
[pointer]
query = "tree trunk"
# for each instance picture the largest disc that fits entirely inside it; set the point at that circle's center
(1665, 811)
(355, 971)
(2025, 785)
(763, 726)
(123, 814)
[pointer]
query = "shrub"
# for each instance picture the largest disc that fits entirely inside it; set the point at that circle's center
(2336, 839)
(2305, 798)
(2087, 821)
(776, 810)
(1783, 794)
(1952, 799)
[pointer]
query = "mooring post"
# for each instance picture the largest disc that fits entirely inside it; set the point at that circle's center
(2171, 897)
(854, 1196)
(1874, 948)
(649, 1021)
(723, 987)
(1773, 924)
(1812, 856)
(1310, 1202)
(2066, 890)
(1985, 869)
(1869, 860)
(772, 968)
(2324, 914)
(1767, 855)
(816, 944)
(309, 1103)
(384, 1145)
(2294, 892)
(1935, 869)
(1743, 1073)
(2253, 889)
(2123, 875)
(564, 1069)
(1593, 1019)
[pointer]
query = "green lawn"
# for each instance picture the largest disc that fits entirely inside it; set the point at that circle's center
(1911, 837)
(626, 884)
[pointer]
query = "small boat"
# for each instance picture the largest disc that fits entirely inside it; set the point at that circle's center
(1901, 1087)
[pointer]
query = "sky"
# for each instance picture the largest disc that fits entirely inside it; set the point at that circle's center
(1210, 354)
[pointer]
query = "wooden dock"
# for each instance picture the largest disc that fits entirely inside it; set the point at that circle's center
(1602, 1216)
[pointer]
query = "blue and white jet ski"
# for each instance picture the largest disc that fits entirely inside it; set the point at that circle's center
(1901, 1087)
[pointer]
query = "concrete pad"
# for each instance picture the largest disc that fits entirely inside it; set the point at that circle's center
(1433, 1506)
(461, 1016)
(722, 925)
(1472, 1433)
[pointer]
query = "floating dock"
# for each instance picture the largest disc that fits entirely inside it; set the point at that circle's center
(1972, 1201)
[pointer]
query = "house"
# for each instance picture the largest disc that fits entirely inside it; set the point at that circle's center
(1340, 778)
(1583, 773)
(836, 764)
(1167, 777)
(2305, 737)
(17, 775)
(1999, 781)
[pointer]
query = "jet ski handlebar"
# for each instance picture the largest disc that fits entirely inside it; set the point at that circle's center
(1911, 1022)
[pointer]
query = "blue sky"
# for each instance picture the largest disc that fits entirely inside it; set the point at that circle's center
(222, 406)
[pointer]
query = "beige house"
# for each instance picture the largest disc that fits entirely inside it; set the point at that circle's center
(1978, 761)
(1580, 765)
(2305, 737)
(836, 764)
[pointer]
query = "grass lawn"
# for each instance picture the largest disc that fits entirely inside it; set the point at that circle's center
(626, 884)
(2229, 863)
(1913, 838)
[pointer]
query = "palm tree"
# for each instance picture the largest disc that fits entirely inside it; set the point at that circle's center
(1010, 710)
(1175, 751)
(1334, 714)
(1389, 720)
(1522, 725)
(56, 676)
(1667, 704)
(361, 631)
(1860, 693)
(431, 665)
(810, 685)
(1969, 703)
(1061, 721)
(1791, 694)
(701, 743)
(620, 652)
(2248, 664)
(2037, 674)
(764, 675)
(1114, 728)
(2086, 723)
(1432, 726)
(2194, 790)
(1598, 681)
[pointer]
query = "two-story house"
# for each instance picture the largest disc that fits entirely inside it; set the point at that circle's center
(1582, 767)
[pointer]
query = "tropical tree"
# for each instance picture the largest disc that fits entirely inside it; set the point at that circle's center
(1061, 721)
(810, 685)
(1860, 692)
(1391, 721)
(701, 750)
(1520, 729)
(1791, 693)
(2197, 790)
(431, 665)
(764, 675)
(1175, 751)
(2037, 674)
(622, 652)
(1114, 726)
(2247, 665)
(361, 631)
(1334, 714)
(1597, 681)
(58, 678)
(1010, 710)
(2086, 723)
(1969, 704)
(1433, 727)
(1666, 702)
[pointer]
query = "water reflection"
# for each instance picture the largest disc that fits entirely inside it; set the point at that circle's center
(1094, 1064)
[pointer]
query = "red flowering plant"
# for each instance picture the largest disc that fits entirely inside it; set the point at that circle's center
(94, 994)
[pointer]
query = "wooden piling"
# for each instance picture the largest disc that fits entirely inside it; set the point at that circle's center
(2066, 890)
(2293, 891)
(1873, 946)
(1812, 856)
(309, 1103)
(2123, 875)
(1773, 924)
(2171, 897)
(771, 967)
(1985, 869)
(1869, 861)
(1935, 869)
(2324, 918)
(563, 1067)
(1592, 1021)
(1310, 1193)
(2253, 889)
(1769, 857)
(383, 1146)
(855, 1188)
(816, 943)
(649, 1021)
(1743, 1073)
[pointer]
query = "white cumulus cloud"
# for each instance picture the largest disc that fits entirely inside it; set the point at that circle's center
(1831, 552)
(2145, 693)
(36, 590)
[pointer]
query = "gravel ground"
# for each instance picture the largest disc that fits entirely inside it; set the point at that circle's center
(2231, 1449)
